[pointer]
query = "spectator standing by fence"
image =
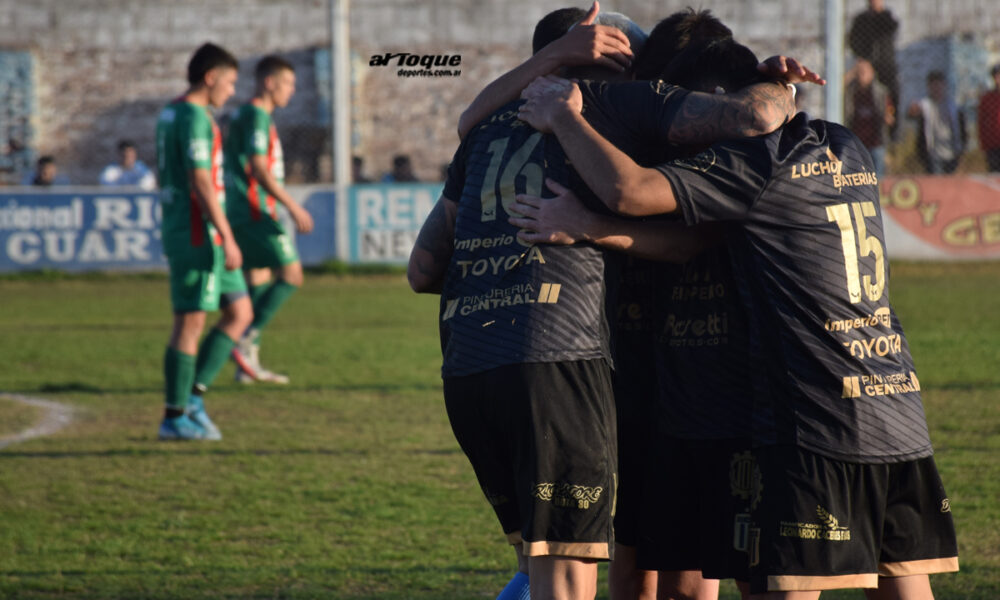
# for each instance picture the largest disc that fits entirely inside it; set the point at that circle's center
(873, 38)
(868, 111)
(941, 127)
(989, 122)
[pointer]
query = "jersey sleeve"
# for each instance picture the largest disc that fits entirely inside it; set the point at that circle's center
(721, 183)
(198, 142)
(259, 133)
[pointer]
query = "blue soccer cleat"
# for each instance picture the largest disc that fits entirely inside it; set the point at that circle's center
(196, 413)
(181, 428)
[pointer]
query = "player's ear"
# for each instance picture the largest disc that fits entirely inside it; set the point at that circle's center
(211, 76)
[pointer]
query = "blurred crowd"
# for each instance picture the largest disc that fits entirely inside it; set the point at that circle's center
(129, 171)
(939, 137)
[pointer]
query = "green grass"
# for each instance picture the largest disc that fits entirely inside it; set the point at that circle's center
(348, 483)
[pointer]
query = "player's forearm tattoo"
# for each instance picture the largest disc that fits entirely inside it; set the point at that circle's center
(436, 239)
(755, 110)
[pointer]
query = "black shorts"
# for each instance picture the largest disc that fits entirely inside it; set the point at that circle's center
(695, 507)
(635, 392)
(541, 439)
(825, 524)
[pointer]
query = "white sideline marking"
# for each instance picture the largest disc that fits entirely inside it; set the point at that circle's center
(55, 417)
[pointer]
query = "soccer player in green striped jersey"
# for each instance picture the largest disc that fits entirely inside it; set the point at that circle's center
(255, 174)
(202, 253)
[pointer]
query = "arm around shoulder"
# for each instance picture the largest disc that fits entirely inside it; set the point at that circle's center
(433, 249)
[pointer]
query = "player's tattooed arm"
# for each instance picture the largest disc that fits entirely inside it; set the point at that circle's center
(585, 44)
(562, 219)
(433, 249)
(755, 110)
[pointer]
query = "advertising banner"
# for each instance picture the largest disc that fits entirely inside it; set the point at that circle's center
(941, 218)
(79, 231)
(384, 219)
(91, 229)
(86, 229)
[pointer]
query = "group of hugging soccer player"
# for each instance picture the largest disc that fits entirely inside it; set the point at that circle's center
(225, 245)
(666, 331)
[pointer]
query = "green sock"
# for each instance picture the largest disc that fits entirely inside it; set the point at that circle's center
(256, 291)
(178, 371)
(270, 301)
(212, 355)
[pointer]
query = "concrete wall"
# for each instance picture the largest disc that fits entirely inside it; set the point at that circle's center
(103, 68)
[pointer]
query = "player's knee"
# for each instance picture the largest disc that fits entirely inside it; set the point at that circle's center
(190, 323)
(292, 274)
(187, 329)
(244, 314)
(237, 316)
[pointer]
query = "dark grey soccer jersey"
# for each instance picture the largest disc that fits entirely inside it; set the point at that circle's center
(832, 370)
(702, 349)
(507, 303)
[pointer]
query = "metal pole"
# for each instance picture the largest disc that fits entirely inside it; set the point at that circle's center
(835, 60)
(340, 117)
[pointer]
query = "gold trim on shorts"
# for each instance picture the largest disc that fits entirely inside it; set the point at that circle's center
(573, 549)
(805, 583)
(918, 567)
(514, 538)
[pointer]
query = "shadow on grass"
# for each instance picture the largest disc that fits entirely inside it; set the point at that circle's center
(170, 449)
(215, 570)
(86, 388)
(68, 387)
(76, 326)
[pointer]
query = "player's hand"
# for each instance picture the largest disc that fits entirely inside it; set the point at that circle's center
(789, 70)
(303, 220)
(560, 220)
(234, 258)
(589, 44)
(549, 98)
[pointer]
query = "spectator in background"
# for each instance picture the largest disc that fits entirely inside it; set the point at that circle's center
(402, 170)
(941, 127)
(989, 122)
(873, 38)
(868, 111)
(357, 170)
(46, 173)
(129, 171)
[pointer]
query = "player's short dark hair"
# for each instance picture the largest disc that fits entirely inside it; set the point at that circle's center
(554, 25)
(123, 144)
(46, 159)
(672, 35)
(208, 57)
(269, 65)
(705, 65)
(995, 69)
(935, 76)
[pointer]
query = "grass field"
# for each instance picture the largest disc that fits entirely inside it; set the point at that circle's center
(348, 483)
